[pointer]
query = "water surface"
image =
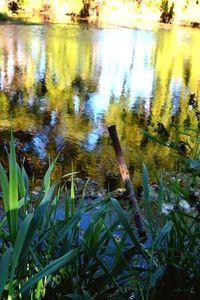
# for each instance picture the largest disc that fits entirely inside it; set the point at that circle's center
(64, 84)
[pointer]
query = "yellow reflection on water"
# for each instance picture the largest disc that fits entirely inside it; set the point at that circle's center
(65, 84)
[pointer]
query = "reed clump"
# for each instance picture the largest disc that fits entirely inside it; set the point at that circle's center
(94, 252)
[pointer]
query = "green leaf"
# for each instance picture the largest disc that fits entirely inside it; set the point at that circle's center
(101, 265)
(20, 182)
(4, 269)
(47, 177)
(157, 276)
(160, 241)
(5, 187)
(36, 220)
(123, 219)
(25, 177)
(66, 209)
(13, 191)
(18, 246)
(97, 231)
(50, 269)
(38, 289)
(119, 258)
(72, 193)
(146, 196)
(73, 223)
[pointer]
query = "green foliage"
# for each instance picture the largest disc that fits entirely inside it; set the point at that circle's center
(51, 258)
(176, 230)
(166, 9)
(10, 191)
(3, 16)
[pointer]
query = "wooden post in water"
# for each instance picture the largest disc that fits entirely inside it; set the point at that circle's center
(127, 181)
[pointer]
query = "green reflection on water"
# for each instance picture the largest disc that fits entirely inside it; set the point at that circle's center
(65, 84)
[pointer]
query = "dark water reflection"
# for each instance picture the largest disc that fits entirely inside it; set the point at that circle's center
(64, 84)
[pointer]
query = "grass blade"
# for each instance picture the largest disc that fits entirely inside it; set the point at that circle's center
(146, 196)
(102, 266)
(5, 187)
(20, 182)
(157, 276)
(123, 219)
(36, 220)
(4, 269)
(18, 246)
(160, 241)
(72, 194)
(47, 177)
(49, 269)
(13, 191)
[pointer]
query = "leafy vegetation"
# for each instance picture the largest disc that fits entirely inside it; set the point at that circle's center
(43, 256)
(93, 251)
(3, 16)
(164, 10)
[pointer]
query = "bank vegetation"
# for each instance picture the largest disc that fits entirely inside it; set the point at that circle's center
(93, 251)
(121, 12)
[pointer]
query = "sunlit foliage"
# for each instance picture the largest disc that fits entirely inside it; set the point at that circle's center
(119, 11)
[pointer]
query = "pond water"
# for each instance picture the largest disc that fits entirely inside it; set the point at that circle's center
(64, 84)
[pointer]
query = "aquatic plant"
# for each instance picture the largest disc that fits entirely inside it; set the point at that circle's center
(43, 256)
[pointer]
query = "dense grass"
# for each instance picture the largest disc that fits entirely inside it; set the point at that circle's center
(45, 257)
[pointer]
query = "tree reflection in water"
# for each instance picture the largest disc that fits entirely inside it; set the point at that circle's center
(65, 83)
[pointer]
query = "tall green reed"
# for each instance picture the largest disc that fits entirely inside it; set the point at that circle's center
(172, 219)
(10, 191)
(105, 258)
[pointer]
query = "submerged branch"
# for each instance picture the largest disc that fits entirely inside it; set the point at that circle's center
(127, 181)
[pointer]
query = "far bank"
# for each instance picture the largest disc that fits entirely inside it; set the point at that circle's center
(103, 13)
